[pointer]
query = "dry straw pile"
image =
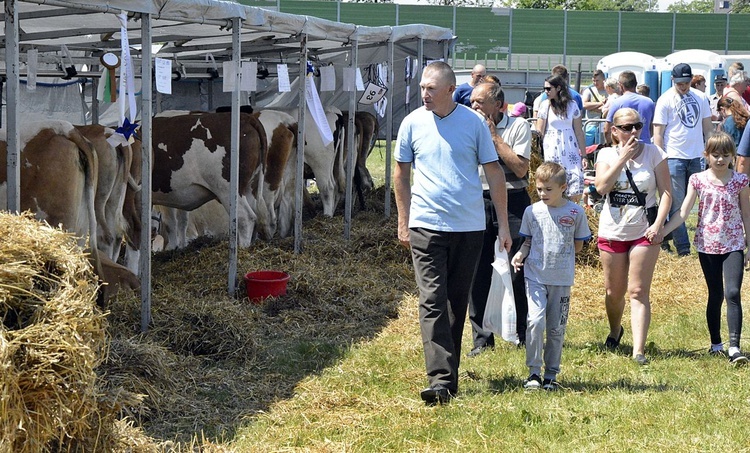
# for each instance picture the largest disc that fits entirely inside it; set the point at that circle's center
(51, 341)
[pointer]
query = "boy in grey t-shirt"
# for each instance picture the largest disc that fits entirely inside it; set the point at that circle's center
(555, 229)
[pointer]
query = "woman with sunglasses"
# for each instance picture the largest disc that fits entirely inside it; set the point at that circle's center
(559, 122)
(628, 257)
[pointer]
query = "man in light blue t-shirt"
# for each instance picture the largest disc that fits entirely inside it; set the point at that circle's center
(441, 216)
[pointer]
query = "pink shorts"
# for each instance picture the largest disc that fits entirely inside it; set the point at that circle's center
(612, 246)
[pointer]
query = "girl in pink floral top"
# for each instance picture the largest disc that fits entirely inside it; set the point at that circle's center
(721, 237)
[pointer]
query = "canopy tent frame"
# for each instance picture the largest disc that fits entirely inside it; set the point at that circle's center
(45, 25)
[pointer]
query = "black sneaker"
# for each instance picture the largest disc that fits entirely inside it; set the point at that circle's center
(550, 385)
(534, 382)
(718, 353)
(737, 358)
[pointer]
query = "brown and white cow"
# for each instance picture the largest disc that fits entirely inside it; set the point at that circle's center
(191, 166)
(180, 227)
(113, 175)
(59, 168)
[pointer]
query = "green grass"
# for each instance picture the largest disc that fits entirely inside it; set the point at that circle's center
(366, 398)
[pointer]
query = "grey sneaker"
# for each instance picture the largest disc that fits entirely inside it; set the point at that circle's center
(737, 358)
(551, 385)
(534, 382)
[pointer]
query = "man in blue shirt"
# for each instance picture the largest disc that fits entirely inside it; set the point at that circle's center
(462, 95)
(643, 105)
(441, 216)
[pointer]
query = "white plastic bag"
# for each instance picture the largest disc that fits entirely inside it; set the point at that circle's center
(500, 312)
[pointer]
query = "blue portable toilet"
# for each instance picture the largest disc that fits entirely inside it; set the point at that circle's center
(644, 66)
(702, 62)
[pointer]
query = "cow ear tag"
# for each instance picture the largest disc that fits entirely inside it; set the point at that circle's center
(111, 62)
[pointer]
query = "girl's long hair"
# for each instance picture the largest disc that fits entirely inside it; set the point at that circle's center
(739, 113)
(559, 105)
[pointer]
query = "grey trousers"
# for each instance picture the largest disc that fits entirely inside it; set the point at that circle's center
(548, 307)
(444, 266)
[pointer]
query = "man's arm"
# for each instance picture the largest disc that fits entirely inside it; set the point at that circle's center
(708, 128)
(518, 164)
(402, 189)
(658, 137)
(498, 193)
(743, 156)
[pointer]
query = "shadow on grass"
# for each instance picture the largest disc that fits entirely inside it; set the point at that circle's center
(508, 383)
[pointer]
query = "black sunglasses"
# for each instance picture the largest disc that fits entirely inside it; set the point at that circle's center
(548, 88)
(629, 127)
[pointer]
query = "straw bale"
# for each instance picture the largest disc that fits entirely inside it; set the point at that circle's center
(52, 336)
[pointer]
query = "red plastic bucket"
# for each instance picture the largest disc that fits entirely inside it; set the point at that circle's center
(262, 284)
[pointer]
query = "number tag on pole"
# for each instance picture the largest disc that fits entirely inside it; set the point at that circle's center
(373, 93)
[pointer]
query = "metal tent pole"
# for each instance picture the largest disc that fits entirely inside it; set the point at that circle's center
(13, 138)
(299, 171)
(234, 161)
(389, 128)
(144, 264)
(351, 156)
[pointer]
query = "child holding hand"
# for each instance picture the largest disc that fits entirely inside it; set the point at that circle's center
(555, 229)
(721, 237)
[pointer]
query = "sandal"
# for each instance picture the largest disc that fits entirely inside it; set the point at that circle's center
(611, 343)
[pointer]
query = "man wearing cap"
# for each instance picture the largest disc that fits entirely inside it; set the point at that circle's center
(682, 124)
(512, 139)
(462, 95)
(720, 82)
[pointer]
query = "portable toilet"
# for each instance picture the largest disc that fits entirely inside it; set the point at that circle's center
(644, 66)
(702, 62)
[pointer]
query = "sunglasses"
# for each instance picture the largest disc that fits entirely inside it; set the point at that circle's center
(629, 127)
(548, 88)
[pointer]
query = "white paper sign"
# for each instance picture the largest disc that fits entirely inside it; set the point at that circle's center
(327, 78)
(317, 112)
(163, 68)
(229, 76)
(360, 84)
(32, 57)
(349, 79)
(249, 76)
(283, 76)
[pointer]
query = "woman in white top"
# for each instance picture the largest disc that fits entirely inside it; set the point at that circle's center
(559, 122)
(628, 258)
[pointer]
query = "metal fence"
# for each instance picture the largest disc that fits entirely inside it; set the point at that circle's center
(529, 39)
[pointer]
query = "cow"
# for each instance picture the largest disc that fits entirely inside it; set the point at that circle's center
(59, 170)
(131, 211)
(180, 227)
(112, 180)
(366, 131)
(325, 161)
(191, 166)
(278, 191)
